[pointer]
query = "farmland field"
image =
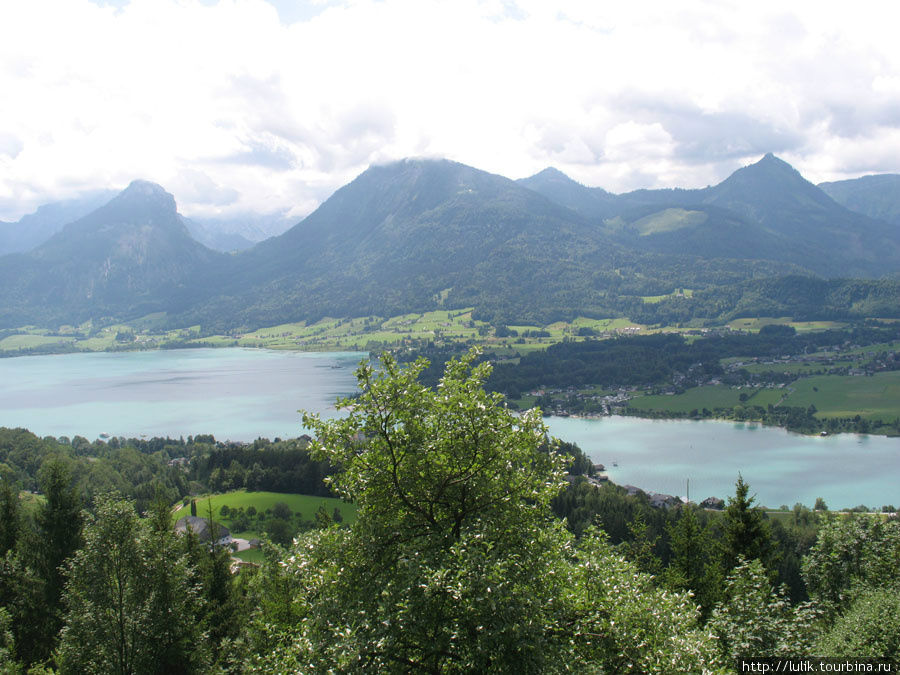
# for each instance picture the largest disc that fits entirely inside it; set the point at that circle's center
(874, 397)
(710, 397)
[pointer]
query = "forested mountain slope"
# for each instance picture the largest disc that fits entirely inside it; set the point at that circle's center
(128, 258)
(416, 235)
(877, 196)
(763, 211)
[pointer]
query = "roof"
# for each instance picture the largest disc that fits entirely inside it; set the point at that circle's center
(200, 527)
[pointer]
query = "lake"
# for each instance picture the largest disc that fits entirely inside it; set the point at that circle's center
(236, 394)
(243, 394)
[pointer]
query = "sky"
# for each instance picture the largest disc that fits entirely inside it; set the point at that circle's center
(239, 106)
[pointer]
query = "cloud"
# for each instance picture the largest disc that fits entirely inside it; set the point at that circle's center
(10, 145)
(198, 189)
(277, 103)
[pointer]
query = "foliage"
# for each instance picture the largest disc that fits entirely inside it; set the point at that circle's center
(746, 533)
(755, 619)
(8, 665)
(869, 628)
(454, 563)
(851, 554)
(9, 516)
(129, 598)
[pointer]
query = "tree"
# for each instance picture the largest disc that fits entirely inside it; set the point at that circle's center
(128, 598)
(219, 611)
(455, 562)
(54, 539)
(9, 516)
(8, 665)
(754, 618)
(870, 627)
(851, 555)
(693, 565)
(281, 510)
(280, 531)
(746, 534)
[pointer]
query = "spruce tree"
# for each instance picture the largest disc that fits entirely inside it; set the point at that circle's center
(746, 532)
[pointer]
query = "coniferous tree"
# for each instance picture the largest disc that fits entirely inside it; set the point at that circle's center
(55, 538)
(746, 533)
(9, 516)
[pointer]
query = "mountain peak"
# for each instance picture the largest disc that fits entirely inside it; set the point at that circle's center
(146, 193)
(770, 172)
(553, 173)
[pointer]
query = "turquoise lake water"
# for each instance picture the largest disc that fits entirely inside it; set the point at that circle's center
(243, 394)
(236, 394)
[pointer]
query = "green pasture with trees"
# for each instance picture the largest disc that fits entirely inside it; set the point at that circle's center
(247, 514)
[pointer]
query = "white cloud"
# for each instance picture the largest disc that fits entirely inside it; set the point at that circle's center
(242, 105)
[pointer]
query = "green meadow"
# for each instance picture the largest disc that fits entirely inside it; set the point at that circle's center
(303, 508)
(801, 326)
(710, 397)
(871, 397)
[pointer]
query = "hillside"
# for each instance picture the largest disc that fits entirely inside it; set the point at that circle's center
(876, 196)
(130, 257)
(35, 228)
(419, 235)
(765, 211)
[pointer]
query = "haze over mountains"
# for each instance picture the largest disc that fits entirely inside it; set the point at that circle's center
(418, 234)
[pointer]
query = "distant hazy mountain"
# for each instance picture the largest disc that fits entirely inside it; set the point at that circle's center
(765, 211)
(216, 238)
(130, 257)
(36, 228)
(415, 235)
(876, 196)
(592, 203)
(239, 231)
(398, 235)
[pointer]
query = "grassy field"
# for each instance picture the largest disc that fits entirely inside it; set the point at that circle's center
(15, 343)
(875, 397)
(369, 333)
(304, 505)
(710, 397)
(795, 368)
(801, 326)
(653, 299)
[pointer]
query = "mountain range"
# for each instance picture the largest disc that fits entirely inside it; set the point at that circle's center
(418, 234)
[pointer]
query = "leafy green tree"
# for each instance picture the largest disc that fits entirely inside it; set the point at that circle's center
(281, 510)
(851, 554)
(280, 531)
(639, 547)
(869, 628)
(172, 596)
(754, 618)
(8, 664)
(694, 565)
(455, 562)
(129, 598)
(220, 611)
